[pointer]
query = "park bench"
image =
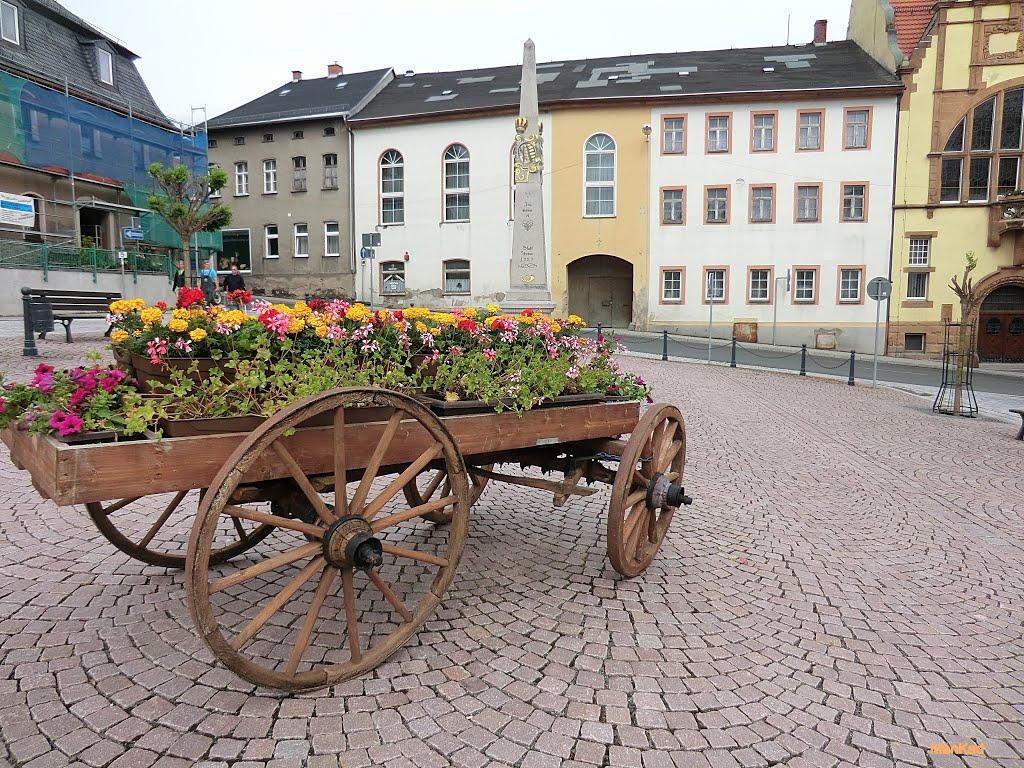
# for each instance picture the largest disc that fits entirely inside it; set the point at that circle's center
(40, 304)
(1019, 412)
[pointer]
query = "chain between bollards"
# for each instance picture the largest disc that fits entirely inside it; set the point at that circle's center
(853, 362)
(803, 359)
(732, 354)
(664, 345)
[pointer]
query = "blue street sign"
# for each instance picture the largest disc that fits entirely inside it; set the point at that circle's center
(363, 253)
(133, 234)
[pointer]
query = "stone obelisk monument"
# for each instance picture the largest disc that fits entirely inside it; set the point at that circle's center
(528, 279)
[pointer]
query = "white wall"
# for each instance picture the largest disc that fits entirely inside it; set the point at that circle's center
(485, 240)
(782, 244)
(151, 288)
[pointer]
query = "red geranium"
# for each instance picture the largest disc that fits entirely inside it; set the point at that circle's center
(527, 313)
(189, 296)
(240, 296)
(465, 324)
(318, 305)
(161, 305)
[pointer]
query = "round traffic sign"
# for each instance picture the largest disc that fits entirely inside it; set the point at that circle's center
(879, 288)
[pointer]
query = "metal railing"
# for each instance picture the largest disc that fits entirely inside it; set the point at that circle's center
(43, 256)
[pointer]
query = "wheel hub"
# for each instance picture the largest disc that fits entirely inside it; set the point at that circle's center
(349, 543)
(662, 494)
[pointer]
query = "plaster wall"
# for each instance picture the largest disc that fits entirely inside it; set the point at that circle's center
(151, 288)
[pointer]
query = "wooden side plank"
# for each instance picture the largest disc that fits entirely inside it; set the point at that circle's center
(83, 473)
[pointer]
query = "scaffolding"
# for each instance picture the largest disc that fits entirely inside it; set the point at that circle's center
(945, 399)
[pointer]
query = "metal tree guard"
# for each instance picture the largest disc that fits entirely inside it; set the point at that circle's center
(945, 399)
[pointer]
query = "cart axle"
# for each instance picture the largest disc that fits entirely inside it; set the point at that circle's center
(663, 494)
(349, 543)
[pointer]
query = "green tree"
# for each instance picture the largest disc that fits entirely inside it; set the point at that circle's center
(969, 300)
(183, 201)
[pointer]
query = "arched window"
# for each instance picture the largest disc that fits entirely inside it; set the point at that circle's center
(979, 161)
(392, 187)
(599, 179)
(456, 183)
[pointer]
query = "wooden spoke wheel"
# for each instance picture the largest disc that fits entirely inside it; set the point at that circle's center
(154, 529)
(646, 486)
(351, 587)
(433, 483)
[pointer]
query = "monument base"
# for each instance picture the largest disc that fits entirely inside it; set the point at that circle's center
(514, 303)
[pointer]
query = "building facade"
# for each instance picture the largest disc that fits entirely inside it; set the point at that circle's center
(288, 159)
(78, 131)
(959, 174)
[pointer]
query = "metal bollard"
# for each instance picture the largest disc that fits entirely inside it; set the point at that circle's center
(664, 345)
(600, 336)
(732, 356)
(803, 359)
(853, 362)
(29, 350)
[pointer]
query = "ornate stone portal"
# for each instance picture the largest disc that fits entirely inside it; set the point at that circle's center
(528, 275)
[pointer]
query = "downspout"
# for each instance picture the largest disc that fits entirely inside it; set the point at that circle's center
(352, 208)
(892, 224)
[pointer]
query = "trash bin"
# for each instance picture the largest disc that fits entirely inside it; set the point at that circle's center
(42, 318)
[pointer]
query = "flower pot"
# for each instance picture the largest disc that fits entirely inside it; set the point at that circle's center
(101, 436)
(146, 371)
(219, 424)
(123, 359)
(427, 367)
(444, 407)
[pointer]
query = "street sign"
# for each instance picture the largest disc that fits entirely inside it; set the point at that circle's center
(130, 233)
(371, 240)
(879, 288)
(366, 253)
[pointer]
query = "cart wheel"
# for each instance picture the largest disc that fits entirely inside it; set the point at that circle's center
(434, 481)
(283, 621)
(157, 532)
(649, 471)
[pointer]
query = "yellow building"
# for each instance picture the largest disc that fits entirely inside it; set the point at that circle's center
(958, 162)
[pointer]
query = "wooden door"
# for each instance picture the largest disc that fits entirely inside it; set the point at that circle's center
(1001, 326)
(601, 290)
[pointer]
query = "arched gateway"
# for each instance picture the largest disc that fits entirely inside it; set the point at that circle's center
(601, 290)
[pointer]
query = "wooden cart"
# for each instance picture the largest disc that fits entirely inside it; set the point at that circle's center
(278, 618)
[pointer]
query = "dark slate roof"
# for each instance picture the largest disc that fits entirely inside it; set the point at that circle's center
(319, 97)
(835, 65)
(57, 44)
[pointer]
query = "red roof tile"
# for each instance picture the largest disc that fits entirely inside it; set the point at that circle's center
(912, 17)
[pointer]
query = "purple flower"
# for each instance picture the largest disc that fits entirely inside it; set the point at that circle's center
(65, 423)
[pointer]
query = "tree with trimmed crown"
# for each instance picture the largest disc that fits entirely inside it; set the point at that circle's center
(183, 201)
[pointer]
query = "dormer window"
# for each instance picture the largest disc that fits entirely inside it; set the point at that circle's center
(105, 66)
(10, 23)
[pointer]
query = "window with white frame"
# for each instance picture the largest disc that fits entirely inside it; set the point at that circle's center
(105, 66)
(764, 133)
(917, 286)
(854, 199)
(718, 134)
(672, 206)
(599, 160)
(714, 285)
(810, 130)
(241, 179)
(850, 285)
(302, 240)
(717, 206)
(856, 129)
(672, 285)
(392, 188)
(920, 251)
(392, 278)
(330, 171)
(805, 285)
(673, 141)
(456, 183)
(239, 141)
(298, 174)
(760, 280)
(271, 245)
(808, 202)
(332, 239)
(269, 176)
(456, 276)
(10, 23)
(762, 204)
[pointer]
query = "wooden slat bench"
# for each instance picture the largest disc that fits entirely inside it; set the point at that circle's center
(69, 305)
(1019, 412)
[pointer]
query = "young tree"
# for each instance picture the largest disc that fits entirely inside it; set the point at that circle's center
(969, 300)
(183, 201)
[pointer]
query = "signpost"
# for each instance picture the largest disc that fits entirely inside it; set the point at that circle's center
(879, 289)
(371, 240)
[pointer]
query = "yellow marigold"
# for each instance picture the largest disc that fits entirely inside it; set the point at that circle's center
(470, 312)
(215, 310)
(443, 318)
(301, 309)
(493, 309)
(555, 327)
(296, 324)
(177, 325)
(435, 330)
(136, 333)
(575, 320)
(151, 316)
(199, 312)
(282, 308)
(234, 317)
(321, 331)
(415, 313)
(421, 327)
(197, 334)
(124, 306)
(118, 336)
(527, 319)
(179, 314)
(358, 313)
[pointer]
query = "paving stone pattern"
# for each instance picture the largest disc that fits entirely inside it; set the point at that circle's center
(845, 590)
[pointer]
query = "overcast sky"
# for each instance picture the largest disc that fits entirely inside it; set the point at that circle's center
(223, 53)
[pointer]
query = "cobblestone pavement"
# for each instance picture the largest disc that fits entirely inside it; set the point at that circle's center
(845, 590)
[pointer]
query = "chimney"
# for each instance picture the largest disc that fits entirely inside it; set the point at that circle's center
(820, 30)
(296, 75)
(335, 69)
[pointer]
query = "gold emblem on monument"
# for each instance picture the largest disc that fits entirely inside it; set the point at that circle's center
(528, 151)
